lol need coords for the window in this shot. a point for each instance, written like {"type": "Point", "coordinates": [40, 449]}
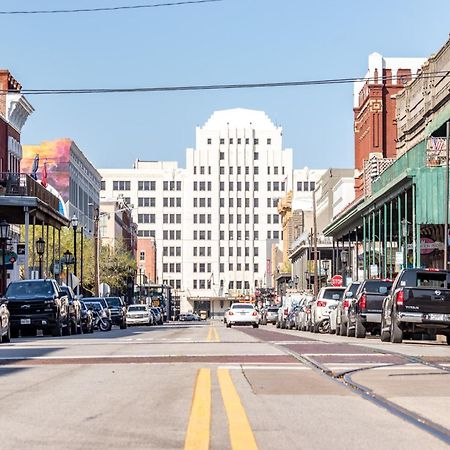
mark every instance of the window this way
{"type": "Point", "coordinates": [222, 170]}
{"type": "Point", "coordinates": [230, 251]}
{"type": "Point", "coordinates": [238, 218]}
{"type": "Point", "coordinates": [222, 202]}
{"type": "Point", "coordinates": [230, 235]}
{"type": "Point", "coordinates": [222, 186]}
{"type": "Point", "coordinates": [165, 185]}
{"type": "Point", "coordinates": [276, 234]}
{"type": "Point", "coordinates": [209, 170]}
{"type": "Point", "coordinates": [146, 218]}
{"type": "Point", "coordinates": [195, 170]}
{"type": "Point", "coordinates": [269, 202]}
{"type": "Point", "coordinates": [178, 202]}
{"type": "Point", "coordinates": [269, 218]}
{"type": "Point", "coordinates": [239, 140]}
{"type": "Point", "coordinates": [195, 217]}
{"type": "Point", "coordinates": [172, 202]}
{"type": "Point", "coordinates": [256, 170]}
{"type": "Point", "coordinates": [208, 141]}
{"type": "Point", "coordinates": [283, 186]}
{"type": "Point", "coordinates": [269, 234]}
{"type": "Point", "coordinates": [255, 156]}
{"type": "Point", "coordinates": [222, 140]}
{"type": "Point", "coordinates": [256, 251]}
{"type": "Point", "coordinates": [103, 187]}
{"type": "Point", "coordinates": [195, 185]}
{"type": "Point", "coordinates": [305, 186]}
{"type": "Point", "coordinates": [221, 267]}
{"type": "Point", "coordinates": [142, 256]}
{"type": "Point", "coordinates": [256, 235]}
{"type": "Point", "coordinates": [222, 235]}
{"type": "Point", "coordinates": [247, 251]}
{"type": "Point", "coordinates": [146, 201]}
{"type": "Point", "coordinates": [269, 185]}
{"type": "Point", "coordinates": [222, 218]}
{"type": "Point", "coordinates": [201, 268]}
{"type": "Point", "coordinates": [230, 218]}
{"type": "Point", "coordinates": [256, 141]}
{"type": "Point", "coordinates": [312, 185]}
{"type": "Point", "coordinates": [247, 186]}
{"type": "Point", "coordinates": [195, 235]}
{"type": "Point", "coordinates": [247, 203]}
{"type": "Point", "coordinates": [299, 186]}
{"type": "Point", "coordinates": [256, 218]}
{"type": "Point", "coordinates": [247, 267]}
{"type": "Point", "coordinates": [165, 251]}
{"type": "Point", "coordinates": [178, 267]}
{"type": "Point", "coordinates": [202, 170]}
{"type": "Point", "coordinates": [230, 170]}
{"type": "Point", "coordinates": [239, 251]}
{"type": "Point", "coordinates": [239, 202]}
{"type": "Point", "coordinates": [268, 170]}
{"type": "Point", "coordinates": [121, 185]}
{"type": "Point", "coordinates": [238, 266]}
{"type": "Point", "coordinates": [238, 186]}
{"type": "Point", "coordinates": [146, 185]}
{"type": "Point", "coordinates": [247, 218]}
{"type": "Point", "coordinates": [230, 186]}
{"type": "Point", "coordinates": [178, 189]}
{"type": "Point", "coordinates": [231, 140]}
{"type": "Point", "coordinates": [222, 251]}
{"type": "Point", "coordinates": [239, 235]}
{"type": "Point", "coordinates": [165, 267]}
{"type": "Point", "coordinates": [255, 186]}
{"type": "Point", "coordinates": [275, 170]}
{"type": "Point", "coordinates": [209, 202]}
{"type": "Point", "coordinates": [238, 284]}
{"type": "Point", "coordinates": [276, 186]}
{"type": "Point", "coordinates": [274, 202]}
{"type": "Point", "coordinates": [222, 155]}
{"type": "Point", "coordinates": [247, 170]}
{"type": "Point", "coordinates": [178, 235]}
{"type": "Point", "coordinates": [209, 185]}
{"type": "Point", "coordinates": [239, 170]}
{"type": "Point", "coordinates": [282, 170]}
{"type": "Point", "coordinates": [165, 235]}
{"type": "Point", "coordinates": [202, 186]}
{"type": "Point", "coordinates": [178, 251]}
{"type": "Point", "coordinates": [269, 141]}
{"type": "Point", "coordinates": [194, 284]}
{"type": "Point", "coordinates": [230, 267]}
{"type": "Point", "coordinates": [247, 140]}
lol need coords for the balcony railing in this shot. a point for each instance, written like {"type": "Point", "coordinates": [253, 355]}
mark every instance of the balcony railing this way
{"type": "Point", "coordinates": [22, 185]}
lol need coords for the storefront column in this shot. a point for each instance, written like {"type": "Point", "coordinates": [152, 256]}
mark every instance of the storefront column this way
{"type": "Point", "coordinates": [391, 219]}
{"type": "Point", "coordinates": [364, 248]}
{"type": "Point", "coordinates": [27, 243]}
{"type": "Point", "coordinates": [406, 230]}
{"type": "Point", "coordinates": [380, 252]}
{"type": "Point", "coordinates": [350, 258]}
{"type": "Point", "coordinates": [369, 248]}
{"type": "Point", "coordinates": [33, 245]}
{"type": "Point", "coordinates": [356, 254]}
{"type": "Point", "coordinates": [385, 275]}
{"type": "Point", "coordinates": [418, 262]}
{"type": "Point", "coordinates": [414, 242]}
{"type": "Point", "coordinates": [399, 232]}
{"type": "Point", "coordinates": [373, 240]}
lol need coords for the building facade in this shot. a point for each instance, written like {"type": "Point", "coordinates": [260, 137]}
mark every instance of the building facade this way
{"type": "Point", "coordinates": [69, 175]}
{"type": "Point", "coordinates": [215, 221]}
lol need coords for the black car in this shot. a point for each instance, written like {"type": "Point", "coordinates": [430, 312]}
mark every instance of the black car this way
{"type": "Point", "coordinates": [38, 304]}
{"type": "Point", "coordinates": [87, 319]}
{"type": "Point", "coordinates": [74, 309]}
{"type": "Point", "coordinates": [118, 311]}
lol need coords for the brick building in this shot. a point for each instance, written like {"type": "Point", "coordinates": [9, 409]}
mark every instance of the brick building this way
{"type": "Point", "coordinates": [146, 261]}
{"type": "Point", "coordinates": [375, 125]}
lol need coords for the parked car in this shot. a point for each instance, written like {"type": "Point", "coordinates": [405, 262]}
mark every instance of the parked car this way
{"type": "Point", "coordinates": [5, 325]}
{"type": "Point", "coordinates": [158, 315]}
{"type": "Point", "coordinates": [269, 315]}
{"type": "Point", "coordinates": [419, 302]}
{"type": "Point", "coordinates": [87, 319]}
{"type": "Point", "coordinates": [283, 312]}
{"type": "Point", "coordinates": [74, 310]}
{"type": "Point", "coordinates": [304, 313]}
{"type": "Point", "coordinates": [290, 320]}
{"type": "Point", "coordinates": [242, 314]}
{"type": "Point", "coordinates": [203, 315]}
{"type": "Point", "coordinates": [188, 317]}
{"type": "Point", "coordinates": [224, 314]}
{"type": "Point", "coordinates": [320, 308]}
{"type": "Point", "coordinates": [38, 304]}
{"type": "Point", "coordinates": [102, 301]}
{"type": "Point", "coordinates": [139, 315]}
{"type": "Point", "coordinates": [340, 315]}
{"type": "Point", "coordinates": [364, 311]}
{"type": "Point", "coordinates": [118, 311]}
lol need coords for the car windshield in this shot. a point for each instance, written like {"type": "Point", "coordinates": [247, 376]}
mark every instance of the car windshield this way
{"type": "Point", "coordinates": [273, 309]}
{"type": "Point", "coordinates": [94, 305]}
{"type": "Point", "coordinates": [30, 289]}
{"type": "Point", "coordinates": [136, 308]}
{"type": "Point", "coordinates": [67, 291]}
{"type": "Point", "coordinates": [102, 301]}
{"type": "Point", "coordinates": [114, 302]}
{"type": "Point", "coordinates": [242, 306]}
{"type": "Point", "coordinates": [330, 294]}
{"type": "Point", "coordinates": [375, 285]}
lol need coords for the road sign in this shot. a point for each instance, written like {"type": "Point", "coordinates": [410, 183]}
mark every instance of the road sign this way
{"type": "Point", "coordinates": [336, 281]}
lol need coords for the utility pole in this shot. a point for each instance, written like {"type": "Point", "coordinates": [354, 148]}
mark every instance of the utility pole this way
{"type": "Point", "coordinates": [316, 281]}
{"type": "Point", "coordinates": [96, 252]}
{"type": "Point", "coordinates": [446, 201]}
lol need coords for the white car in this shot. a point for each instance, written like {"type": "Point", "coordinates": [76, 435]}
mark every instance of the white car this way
{"type": "Point", "coordinates": [327, 299]}
{"type": "Point", "coordinates": [242, 314]}
{"type": "Point", "coordinates": [139, 315]}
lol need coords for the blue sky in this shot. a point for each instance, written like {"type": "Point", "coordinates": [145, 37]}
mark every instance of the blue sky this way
{"type": "Point", "coordinates": [235, 41]}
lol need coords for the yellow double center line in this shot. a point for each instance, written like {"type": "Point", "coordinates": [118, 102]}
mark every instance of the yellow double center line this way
{"type": "Point", "coordinates": [213, 335]}
{"type": "Point", "coordinates": [199, 428]}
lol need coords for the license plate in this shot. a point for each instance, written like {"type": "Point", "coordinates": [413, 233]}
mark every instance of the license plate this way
{"type": "Point", "coordinates": [25, 321]}
{"type": "Point", "coordinates": [439, 317]}
{"type": "Point", "coordinates": [243, 314]}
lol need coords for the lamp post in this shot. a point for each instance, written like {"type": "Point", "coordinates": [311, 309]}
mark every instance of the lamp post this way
{"type": "Point", "coordinates": [4, 233]}
{"type": "Point", "coordinates": [326, 267]}
{"type": "Point", "coordinates": [74, 223]}
{"type": "Point", "coordinates": [405, 234]}
{"type": "Point", "coordinates": [40, 249]}
{"type": "Point", "coordinates": [344, 259]}
{"type": "Point", "coordinates": [67, 260]}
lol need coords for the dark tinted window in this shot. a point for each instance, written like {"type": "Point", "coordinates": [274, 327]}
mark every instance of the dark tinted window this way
{"type": "Point", "coordinates": [374, 286]}
{"type": "Point", "coordinates": [114, 302]}
{"type": "Point", "coordinates": [30, 289]}
{"type": "Point", "coordinates": [273, 309]}
{"type": "Point", "coordinates": [432, 280]}
{"type": "Point", "coordinates": [102, 301]}
{"type": "Point", "coordinates": [328, 294]}
{"type": "Point", "coordinates": [235, 306]}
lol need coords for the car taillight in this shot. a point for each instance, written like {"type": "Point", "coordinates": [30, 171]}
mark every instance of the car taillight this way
{"type": "Point", "coordinates": [230, 313]}
{"type": "Point", "coordinates": [400, 297]}
{"type": "Point", "coordinates": [321, 303]}
{"type": "Point", "coordinates": [254, 313]}
{"type": "Point", "coordinates": [286, 310]}
{"type": "Point", "coordinates": [345, 304]}
{"type": "Point", "coordinates": [363, 301]}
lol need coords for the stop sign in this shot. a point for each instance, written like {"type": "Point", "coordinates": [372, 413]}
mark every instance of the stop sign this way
{"type": "Point", "coordinates": [337, 281]}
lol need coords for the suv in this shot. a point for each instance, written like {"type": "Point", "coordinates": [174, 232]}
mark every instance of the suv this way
{"type": "Point", "coordinates": [118, 311]}
{"type": "Point", "coordinates": [74, 310]}
{"type": "Point", "coordinates": [37, 304]}
{"type": "Point", "coordinates": [327, 299]}
{"type": "Point", "coordinates": [5, 324]}
{"type": "Point", "coordinates": [342, 309]}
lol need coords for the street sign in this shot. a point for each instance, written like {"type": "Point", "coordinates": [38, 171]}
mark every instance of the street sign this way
{"type": "Point", "coordinates": [336, 281]}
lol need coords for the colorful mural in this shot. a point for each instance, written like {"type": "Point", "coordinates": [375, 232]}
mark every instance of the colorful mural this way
{"type": "Point", "coordinates": [54, 160]}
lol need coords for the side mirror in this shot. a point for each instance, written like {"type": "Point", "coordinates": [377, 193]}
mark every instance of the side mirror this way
{"type": "Point", "coordinates": [349, 294]}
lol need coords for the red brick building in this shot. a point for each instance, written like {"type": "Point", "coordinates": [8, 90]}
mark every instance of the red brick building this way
{"type": "Point", "coordinates": [14, 111]}
{"type": "Point", "coordinates": [146, 260]}
{"type": "Point", "coordinates": [375, 127]}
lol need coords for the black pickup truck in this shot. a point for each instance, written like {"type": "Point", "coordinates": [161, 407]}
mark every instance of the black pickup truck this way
{"type": "Point", "coordinates": [364, 311]}
{"type": "Point", "coordinates": [37, 304]}
{"type": "Point", "coordinates": [419, 303]}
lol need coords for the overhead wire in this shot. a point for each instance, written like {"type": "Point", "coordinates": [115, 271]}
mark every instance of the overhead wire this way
{"type": "Point", "coordinates": [108, 8]}
{"type": "Point", "coordinates": [207, 87]}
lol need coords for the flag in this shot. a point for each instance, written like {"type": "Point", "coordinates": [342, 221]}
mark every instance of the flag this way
{"type": "Point", "coordinates": [35, 167]}
{"type": "Point", "coordinates": [437, 143]}
{"type": "Point", "coordinates": [44, 175]}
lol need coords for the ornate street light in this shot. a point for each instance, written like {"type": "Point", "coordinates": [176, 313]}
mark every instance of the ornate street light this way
{"type": "Point", "coordinates": [67, 255]}
{"type": "Point", "coordinates": [40, 249]}
{"type": "Point", "coordinates": [74, 223]}
{"type": "Point", "coordinates": [326, 267]}
{"type": "Point", "coordinates": [4, 233]}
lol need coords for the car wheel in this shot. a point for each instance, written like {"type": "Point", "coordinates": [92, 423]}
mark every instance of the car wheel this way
{"type": "Point", "coordinates": [277, 324]}
{"type": "Point", "coordinates": [57, 330]}
{"type": "Point", "coordinates": [350, 331]}
{"type": "Point", "coordinates": [360, 329]}
{"type": "Point", "coordinates": [385, 335]}
{"type": "Point", "coordinates": [343, 328]}
{"type": "Point", "coordinates": [228, 325]}
{"type": "Point", "coordinates": [67, 330]}
{"type": "Point", "coordinates": [7, 337]}
{"type": "Point", "coordinates": [448, 339]}
{"type": "Point", "coordinates": [396, 331]}
{"type": "Point", "coordinates": [79, 328]}
{"type": "Point", "coordinates": [255, 325]}
{"type": "Point", "coordinates": [124, 325]}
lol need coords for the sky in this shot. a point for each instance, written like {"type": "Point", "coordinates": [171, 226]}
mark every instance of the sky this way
{"type": "Point", "coordinates": [233, 41]}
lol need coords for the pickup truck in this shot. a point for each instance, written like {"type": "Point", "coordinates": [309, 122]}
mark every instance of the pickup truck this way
{"type": "Point", "coordinates": [364, 310]}
{"type": "Point", "coordinates": [38, 304]}
{"type": "Point", "coordinates": [419, 302]}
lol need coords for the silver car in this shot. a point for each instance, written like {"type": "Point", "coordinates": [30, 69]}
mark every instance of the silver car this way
{"type": "Point", "coordinates": [242, 314]}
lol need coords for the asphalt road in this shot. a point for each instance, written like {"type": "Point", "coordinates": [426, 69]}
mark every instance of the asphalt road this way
{"type": "Point", "coordinates": [201, 385]}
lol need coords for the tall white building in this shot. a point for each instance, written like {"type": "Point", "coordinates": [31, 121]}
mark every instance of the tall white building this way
{"type": "Point", "coordinates": [215, 232]}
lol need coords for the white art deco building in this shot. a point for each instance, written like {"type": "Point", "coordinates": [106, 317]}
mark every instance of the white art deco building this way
{"type": "Point", "coordinates": [223, 206]}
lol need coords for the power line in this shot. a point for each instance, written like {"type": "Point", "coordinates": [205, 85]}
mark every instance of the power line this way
{"type": "Point", "coordinates": [443, 74]}
{"type": "Point", "coordinates": [109, 9]}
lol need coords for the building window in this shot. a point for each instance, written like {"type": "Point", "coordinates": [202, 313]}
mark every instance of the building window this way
{"type": "Point", "coordinates": [165, 185]}
{"type": "Point", "coordinates": [231, 140]}
{"type": "Point", "coordinates": [256, 170]}
{"type": "Point", "coordinates": [276, 234]}
{"type": "Point", "coordinates": [222, 140]}
{"type": "Point", "coordinates": [269, 218]}
{"type": "Point", "coordinates": [256, 156]}
{"type": "Point", "coordinates": [230, 267]}
{"type": "Point", "coordinates": [222, 186]}
{"type": "Point", "coordinates": [256, 251]}
{"type": "Point", "coordinates": [255, 186]}
{"type": "Point", "coordinates": [195, 185]}
{"type": "Point", "coordinates": [194, 284]}
{"type": "Point", "coordinates": [230, 186]}
{"type": "Point", "coordinates": [142, 256]}
{"type": "Point", "coordinates": [222, 155]}
{"type": "Point", "coordinates": [121, 185]}
{"type": "Point", "coordinates": [222, 170]}
{"type": "Point", "coordinates": [103, 185]}
{"type": "Point", "coordinates": [299, 186]}
{"type": "Point", "coordinates": [230, 235]}
{"type": "Point", "coordinates": [208, 141]}
{"type": "Point", "coordinates": [256, 235]}
{"type": "Point", "coordinates": [269, 185]}
{"type": "Point", "coordinates": [146, 218]}
{"type": "Point", "coordinates": [239, 140]}
{"type": "Point", "coordinates": [221, 267]}
{"type": "Point", "coordinates": [146, 185]}
{"type": "Point", "coordinates": [305, 185]}
{"type": "Point", "coordinates": [312, 185]}
{"type": "Point", "coordinates": [269, 141]}
{"type": "Point", "coordinates": [247, 186]}
{"type": "Point", "coordinates": [247, 140]}
{"type": "Point", "coordinates": [178, 185]}
{"type": "Point", "coordinates": [202, 170]}
{"type": "Point", "coordinates": [276, 186]}
{"type": "Point", "coordinates": [256, 218]}
{"type": "Point", "coordinates": [268, 170]}
{"type": "Point", "coordinates": [269, 234]}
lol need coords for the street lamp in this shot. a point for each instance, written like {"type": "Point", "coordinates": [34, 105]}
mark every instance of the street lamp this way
{"type": "Point", "coordinates": [326, 267]}
{"type": "Point", "coordinates": [40, 249]}
{"type": "Point", "coordinates": [67, 260]}
{"type": "Point", "coordinates": [4, 233]}
{"type": "Point", "coordinates": [74, 223]}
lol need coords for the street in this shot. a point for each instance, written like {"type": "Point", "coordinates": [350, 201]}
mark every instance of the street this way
{"type": "Point", "coordinates": [201, 385]}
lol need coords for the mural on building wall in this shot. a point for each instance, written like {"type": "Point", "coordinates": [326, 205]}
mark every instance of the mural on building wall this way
{"type": "Point", "coordinates": [49, 162]}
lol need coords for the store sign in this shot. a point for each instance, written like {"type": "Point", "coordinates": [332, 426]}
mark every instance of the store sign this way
{"type": "Point", "coordinates": [373, 270]}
